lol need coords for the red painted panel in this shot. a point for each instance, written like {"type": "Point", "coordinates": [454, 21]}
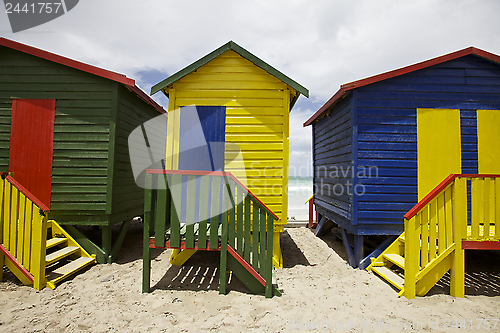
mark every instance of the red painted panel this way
{"type": "Point", "coordinates": [31, 144]}
{"type": "Point", "coordinates": [480, 245]}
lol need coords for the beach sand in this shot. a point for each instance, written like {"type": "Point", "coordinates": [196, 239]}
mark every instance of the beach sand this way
{"type": "Point", "coordinates": [320, 290]}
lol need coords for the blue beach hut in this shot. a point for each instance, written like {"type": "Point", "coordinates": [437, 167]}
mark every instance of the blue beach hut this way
{"type": "Point", "coordinates": [382, 143]}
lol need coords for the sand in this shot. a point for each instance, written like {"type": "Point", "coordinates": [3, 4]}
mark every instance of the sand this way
{"type": "Point", "coordinates": [320, 291]}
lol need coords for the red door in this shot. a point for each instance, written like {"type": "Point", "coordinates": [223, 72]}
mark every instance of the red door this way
{"type": "Point", "coordinates": [31, 143]}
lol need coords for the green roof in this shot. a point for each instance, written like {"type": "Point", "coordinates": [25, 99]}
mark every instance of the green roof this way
{"type": "Point", "coordinates": [242, 52]}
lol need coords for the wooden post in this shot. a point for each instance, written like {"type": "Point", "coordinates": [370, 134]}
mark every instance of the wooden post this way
{"type": "Point", "coordinates": [457, 274]}
{"type": "Point", "coordinates": [311, 212]}
{"type": "Point", "coordinates": [6, 215]}
{"type": "Point", "coordinates": [255, 236]}
{"type": "Point", "coordinates": [262, 242]}
{"type": "Point", "coordinates": [412, 251]}
{"type": "Point", "coordinates": [203, 210]}
{"type": "Point", "coordinates": [348, 249]}
{"type": "Point", "coordinates": [2, 260]}
{"type": "Point", "coordinates": [214, 213]}
{"type": "Point", "coordinates": [107, 242]}
{"type": "Point", "coordinates": [269, 257]}
{"type": "Point", "coordinates": [247, 224]}
{"type": "Point", "coordinates": [224, 245]}
{"type": "Point", "coordinates": [162, 208]}
{"type": "Point", "coordinates": [39, 249]}
{"type": "Point", "coordinates": [358, 249]}
{"type": "Point", "coordinates": [239, 223]}
{"type": "Point", "coordinates": [2, 205]}
{"type": "Point", "coordinates": [497, 208]}
{"type": "Point", "coordinates": [175, 212]}
{"type": "Point", "coordinates": [146, 256]}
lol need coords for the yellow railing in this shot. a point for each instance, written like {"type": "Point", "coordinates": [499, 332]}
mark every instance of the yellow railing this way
{"type": "Point", "coordinates": [485, 193]}
{"type": "Point", "coordinates": [23, 233]}
{"type": "Point", "coordinates": [436, 227]}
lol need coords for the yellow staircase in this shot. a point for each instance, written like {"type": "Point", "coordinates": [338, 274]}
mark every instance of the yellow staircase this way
{"type": "Point", "coordinates": [64, 256]}
{"type": "Point", "coordinates": [437, 230]}
{"type": "Point", "coordinates": [37, 251]}
{"type": "Point", "coordinates": [390, 264]}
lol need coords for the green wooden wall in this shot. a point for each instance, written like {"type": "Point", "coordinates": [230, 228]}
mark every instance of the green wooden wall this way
{"type": "Point", "coordinates": [127, 197]}
{"type": "Point", "coordinates": [93, 116]}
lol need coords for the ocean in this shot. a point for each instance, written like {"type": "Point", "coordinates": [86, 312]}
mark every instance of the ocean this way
{"type": "Point", "coordinates": [299, 190]}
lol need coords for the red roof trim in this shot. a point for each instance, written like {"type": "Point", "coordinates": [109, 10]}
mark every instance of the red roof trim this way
{"type": "Point", "coordinates": [120, 78]}
{"type": "Point", "coordinates": [67, 62]}
{"type": "Point", "coordinates": [147, 99]}
{"type": "Point", "coordinates": [401, 71]}
{"type": "Point", "coordinates": [329, 103]}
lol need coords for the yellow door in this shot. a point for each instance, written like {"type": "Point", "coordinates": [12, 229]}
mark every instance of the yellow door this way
{"type": "Point", "coordinates": [488, 141]}
{"type": "Point", "coordinates": [438, 147]}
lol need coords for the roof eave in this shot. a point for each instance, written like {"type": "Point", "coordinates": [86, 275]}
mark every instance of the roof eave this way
{"type": "Point", "coordinates": [185, 71]}
{"type": "Point", "coordinates": [241, 51]}
{"type": "Point", "coordinates": [113, 76]}
{"type": "Point", "coordinates": [66, 61]}
{"type": "Point", "coordinates": [401, 71]}
{"type": "Point", "coordinates": [342, 92]}
{"type": "Point", "coordinates": [142, 95]}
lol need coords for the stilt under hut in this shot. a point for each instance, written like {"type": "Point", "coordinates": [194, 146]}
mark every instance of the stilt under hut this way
{"type": "Point", "coordinates": [65, 163]}
{"type": "Point", "coordinates": [410, 150]}
{"type": "Point", "coordinates": [244, 103]}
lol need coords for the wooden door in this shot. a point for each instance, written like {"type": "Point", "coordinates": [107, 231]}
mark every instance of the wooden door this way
{"type": "Point", "coordinates": [438, 147]}
{"type": "Point", "coordinates": [31, 145]}
{"type": "Point", "coordinates": [202, 138]}
{"type": "Point", "coordinates": [488, 141]}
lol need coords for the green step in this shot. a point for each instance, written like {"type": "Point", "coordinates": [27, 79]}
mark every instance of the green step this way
{"type": "Point", "coordinates": [395, 259]}
{"type": "Point", "coordinates": [390, 276]}
{"type": "Point", "coordinates": [60, 254]}
{"type": "Point", "coordinates": [55, 241]}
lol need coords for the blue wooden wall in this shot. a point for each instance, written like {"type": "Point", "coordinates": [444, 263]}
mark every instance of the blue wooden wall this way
{"type": "Point", "coordinates": [384, 137]}
{"type": "Point", "coordinates": [332, 150]}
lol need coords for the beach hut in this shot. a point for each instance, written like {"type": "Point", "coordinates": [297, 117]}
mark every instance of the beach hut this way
{"type": "Point", "coordinates": [63, 137]}
{"type": "Point", "coordinates": [243, 103]}
{"type": "Point", "coordinates": [381, 144]}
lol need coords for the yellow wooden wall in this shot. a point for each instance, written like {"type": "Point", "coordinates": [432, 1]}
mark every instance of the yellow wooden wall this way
{"type": "Point", "coordinates": [257, 120]}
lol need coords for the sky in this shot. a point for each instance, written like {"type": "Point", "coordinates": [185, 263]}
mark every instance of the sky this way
{"type": "Point", "coordinates": [319, 44]}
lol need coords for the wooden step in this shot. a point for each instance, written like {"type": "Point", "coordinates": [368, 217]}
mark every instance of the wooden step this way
{"type": "Point", "coordinates": [55, 241]}
{"type": "Point", "coordinates": [391, 277]}
{"type": "Point", "coordinates": [395, 259]}
{"type": "Point", "coordinates": [72, 267]}
{"type": "Point", "coordinates": [60, 254]}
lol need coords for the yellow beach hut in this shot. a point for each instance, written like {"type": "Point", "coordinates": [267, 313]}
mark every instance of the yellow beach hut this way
{"type": "Point", "coordinates": [244, 103]}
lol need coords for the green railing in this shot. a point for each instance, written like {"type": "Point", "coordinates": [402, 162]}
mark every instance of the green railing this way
{"type": "Point", "coordinates": [204, 210]}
